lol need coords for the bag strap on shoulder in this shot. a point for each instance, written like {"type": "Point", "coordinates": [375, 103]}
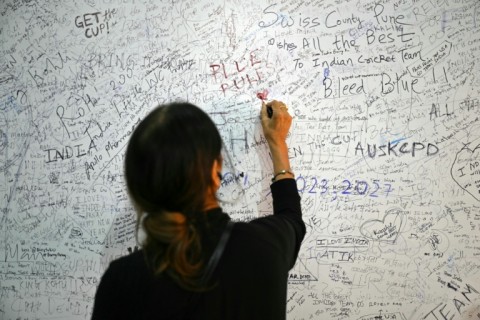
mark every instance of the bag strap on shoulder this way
{"type": "Point", "coordinates": [217, 253]}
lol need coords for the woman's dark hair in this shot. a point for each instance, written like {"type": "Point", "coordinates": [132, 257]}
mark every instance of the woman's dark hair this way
{"type": "Point", "coordinates": [168, 169]}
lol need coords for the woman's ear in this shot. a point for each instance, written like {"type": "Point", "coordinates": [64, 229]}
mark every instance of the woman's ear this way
{"type": "Point", "coordinates": [217, 174]}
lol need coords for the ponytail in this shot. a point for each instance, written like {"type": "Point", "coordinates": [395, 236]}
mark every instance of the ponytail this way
{"type": "Point", "coordinates": [173, 246]}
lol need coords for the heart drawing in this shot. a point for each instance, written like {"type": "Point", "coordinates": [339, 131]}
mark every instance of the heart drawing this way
{"type": "Point", "coordinates": [385, 230]}
{"type": "Point", "coordinates": [465, 170]}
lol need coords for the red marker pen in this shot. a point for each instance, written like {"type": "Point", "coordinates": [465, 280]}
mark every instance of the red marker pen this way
{"type": "Point", "coordinates": [263, 96]}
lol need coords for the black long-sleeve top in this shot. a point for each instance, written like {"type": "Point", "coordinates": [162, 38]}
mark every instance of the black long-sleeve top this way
{"type": "Point", "coordinates": [251, 277]}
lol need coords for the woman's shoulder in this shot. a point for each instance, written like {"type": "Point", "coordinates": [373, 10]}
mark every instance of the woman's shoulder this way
{"type": "Point", "coordinates": [263, 229]}
{"type": "Point", "coordinates": [132, 261]}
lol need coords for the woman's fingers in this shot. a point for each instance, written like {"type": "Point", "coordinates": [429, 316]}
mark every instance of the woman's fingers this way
{"type": "Point", "coordinates": [276, 126]}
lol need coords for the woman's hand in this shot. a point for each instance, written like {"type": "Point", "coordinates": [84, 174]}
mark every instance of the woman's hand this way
{"type": "Point", "coordinates": [275, 129]}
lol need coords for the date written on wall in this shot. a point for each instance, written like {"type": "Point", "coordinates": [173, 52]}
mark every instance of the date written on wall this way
{"type": "Point", "coordinates": [325, 187]}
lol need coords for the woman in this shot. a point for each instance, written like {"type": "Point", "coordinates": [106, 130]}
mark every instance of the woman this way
{"type": "Point", "coordinates": [195, 263]}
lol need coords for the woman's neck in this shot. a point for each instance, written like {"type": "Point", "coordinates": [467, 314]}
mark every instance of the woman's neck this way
{"type": "Point", "coordinates": [211, 203]}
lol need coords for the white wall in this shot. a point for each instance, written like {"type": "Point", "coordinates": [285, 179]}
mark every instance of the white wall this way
{"type": "Point", "coordinates": [385, 142]}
